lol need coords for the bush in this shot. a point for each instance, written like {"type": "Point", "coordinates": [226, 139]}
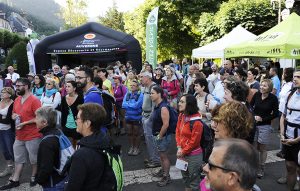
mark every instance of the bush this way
{"type": "Point", "coordinates": [17, 57]}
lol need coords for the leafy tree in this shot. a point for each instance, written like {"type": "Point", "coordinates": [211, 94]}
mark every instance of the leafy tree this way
{"type": "Point", "coordinates": [74, 14]}
{"type": "Point", "coordinates": [257, 16]}
{"type": "Point", "coordinates": [18, 58]}
{"type": "Point", "coordinates": [113, 18]}
{"type": "Point", "coordinates": [177, 24]}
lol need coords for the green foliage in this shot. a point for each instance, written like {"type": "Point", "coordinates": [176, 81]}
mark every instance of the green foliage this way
{"type": "Point", "coordinates": [257, 16]}
{"type": "Point", "coordinates": [8, 40]}
{"type": "Point", "coordinates": [113, 18]}
{"type": "Point", "coordinates": [18, 58]}
{"type": "Point", "coordinates": [74, 14]}
{"type": "Point", "coordinates": [177, 34]}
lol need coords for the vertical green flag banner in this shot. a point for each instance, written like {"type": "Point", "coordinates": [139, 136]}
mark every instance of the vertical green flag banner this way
{"type": "Point", "coordinates": [151, 37]}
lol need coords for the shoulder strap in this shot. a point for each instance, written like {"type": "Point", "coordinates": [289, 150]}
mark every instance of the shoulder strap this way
{"type": "Point", "coordinates": [193, 121]}
{"type": "Point", "coordinates": [290, 95]}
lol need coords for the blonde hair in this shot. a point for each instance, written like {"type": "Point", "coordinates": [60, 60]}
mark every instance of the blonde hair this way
{"type": "Point", "coordinates": [269, 83]}
{"type": "Point", "coordinates": [55, 85]}
{"type": "Point", "coordinates": [9, 90]}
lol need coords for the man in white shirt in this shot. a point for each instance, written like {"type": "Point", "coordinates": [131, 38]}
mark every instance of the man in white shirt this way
{"type": "Point", "coordinates": [12, 75]}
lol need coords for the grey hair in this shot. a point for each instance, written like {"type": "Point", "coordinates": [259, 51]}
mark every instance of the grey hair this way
{"type": "Point", "coordinates": [242, 158]}
{"type": "Point", "coordinates": [48, 114]}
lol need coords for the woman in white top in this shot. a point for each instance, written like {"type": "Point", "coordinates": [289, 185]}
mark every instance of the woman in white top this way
{"type": "Point", "coordinates": [205, 101]}
{"type": "Point", "coordinates": [7, 134]}
{"type": "Point", "coordinates": [51, 97]}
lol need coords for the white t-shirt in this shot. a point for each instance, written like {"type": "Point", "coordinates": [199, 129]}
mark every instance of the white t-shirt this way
{"type": "Point", "coordinates": [3, 112]}
{"type": "Point", "coordinates": [13, 77]}
{"type": "Point", "coordinates": [283, 95]}
{"type": "Point", "coordinates": [293, 116]}
{"type": "Point", "coordinates": [50, 101]}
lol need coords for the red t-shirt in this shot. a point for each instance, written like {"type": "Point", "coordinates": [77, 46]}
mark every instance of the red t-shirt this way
{"type": "Point", "coordinates": [27, 112]}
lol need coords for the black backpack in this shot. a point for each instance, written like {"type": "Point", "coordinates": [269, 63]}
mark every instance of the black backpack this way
{"type": "Point", "coordinates": [207, 138]}
{"type": "Point", "coordinates": [109, 103]}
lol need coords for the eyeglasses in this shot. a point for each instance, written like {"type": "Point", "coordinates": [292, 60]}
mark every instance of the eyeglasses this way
{"type": "Point", "coordinates": [211, 166]}
{"type": "Point", "coordinates": [49, 83]}
{"type": "Point", "coordinates": [79, 77]}
{"type": "Point", "coordinates": [17, 86]}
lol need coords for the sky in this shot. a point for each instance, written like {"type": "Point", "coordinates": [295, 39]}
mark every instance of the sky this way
{"type": "Point", "coordinates": [99, 7]}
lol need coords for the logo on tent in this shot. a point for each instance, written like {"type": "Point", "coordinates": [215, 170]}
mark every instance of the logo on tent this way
{"type": "Point", "coordinates": [295, 52]}
{"type": "Point", "coordinates": [89, 36]}
{"type": "Point", "coordinates": [269, 37]}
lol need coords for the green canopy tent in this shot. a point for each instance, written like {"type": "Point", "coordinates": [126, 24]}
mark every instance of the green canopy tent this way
{"type": "Point", "coordinates": [281, 41]}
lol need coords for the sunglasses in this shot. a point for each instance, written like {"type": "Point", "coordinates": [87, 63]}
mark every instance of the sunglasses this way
{"type": "Point", "coordinates": [49, 83]}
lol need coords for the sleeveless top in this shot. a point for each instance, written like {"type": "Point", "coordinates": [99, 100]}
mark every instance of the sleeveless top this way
{"type": "Point", "coordinates": [3, 112]}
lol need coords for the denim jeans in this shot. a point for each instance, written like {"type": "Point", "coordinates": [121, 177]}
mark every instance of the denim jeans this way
{"type": "Point", "coordinates": [152, 150]}
{"type": "Point", "coordinates": [7, 139]}
{"type": "Point", "coordinates": [57, 187]}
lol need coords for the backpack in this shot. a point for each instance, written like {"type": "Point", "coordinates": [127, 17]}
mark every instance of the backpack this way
{"type": "Point", "coordinates": [65, 153]}
{"type": "Point", "coordinates": [173, 120]}
{"type": "Point", "coordinates": [115, 163]}
{"type": "Point", "coordinates": [207, 138]}
{"type": "Point", "coordinates": [109, 103]}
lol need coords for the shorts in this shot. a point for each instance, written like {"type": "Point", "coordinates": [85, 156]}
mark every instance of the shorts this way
{"type": "Point", "coordinates": [291, 152]}
{"type": "Point", "coordinates": [22, 148]}
{"type": "Point", "coordinates": [263, 134]}
{"type": "Point", "coordinates": [162, 144]}
{"type": "Point", "coordinates": [191, 177]}
{"type": "Point", "coordinates": [136, 123]}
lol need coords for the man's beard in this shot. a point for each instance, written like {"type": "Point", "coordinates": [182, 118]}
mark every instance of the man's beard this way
{"type": "Point", "coordinates": [21, 92]}
{"type": "Point", "coordinates": [81, 85]}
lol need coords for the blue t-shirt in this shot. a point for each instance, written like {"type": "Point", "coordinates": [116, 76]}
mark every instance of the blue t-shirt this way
{"type": "Point", "coordinates": [93, 96]}
{"type": "Point", "coordinates": [276, 85]}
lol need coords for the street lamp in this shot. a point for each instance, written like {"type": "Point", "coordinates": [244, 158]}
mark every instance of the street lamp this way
{"type": "Point", "coordinates": [286, 12]}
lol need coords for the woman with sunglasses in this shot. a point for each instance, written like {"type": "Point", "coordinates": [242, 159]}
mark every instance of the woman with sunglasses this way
{"type": "Point", "coordinates": [69, 111]}
{"type": "Point", "coordinates": [7, 134]}
{"type": "Point", "coordinates": [38, 86]}
{"type": "Point", "coordinates": [188, 136]}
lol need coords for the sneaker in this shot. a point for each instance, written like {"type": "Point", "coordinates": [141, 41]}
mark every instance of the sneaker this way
{"type": "Point", "coordinates": [165, 180]}
{"type": "Point", "coordinates": [136, 152]}
{"type": "Point", "coordinates": [8, 171]}
{"type": "Point", "coordinates": [152, 165]}
{"type": "Point", "coordinates": [158, 174]}
{"type": "Point", "coordinates": [281, 180]}
{"type": "Point", "coordinates": [32, 181]}
{"type": "Point", "coordinates": [260, 173]}
{"type": "Point", "coordinates": [10, 184]}
{"type": "Point", "coordinates": [130, 151]}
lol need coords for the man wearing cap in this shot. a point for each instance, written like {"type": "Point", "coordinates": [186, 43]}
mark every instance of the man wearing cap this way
{"type": "Point", "coordinates": [30, 77]}
{"type": "Point", "coordinates": [12, 75]}
{"type": "Point", "coordinates": [148, 105]}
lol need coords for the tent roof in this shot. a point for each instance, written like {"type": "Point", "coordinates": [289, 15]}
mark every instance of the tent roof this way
{"type": "Point", "coordinates": [281, 41]}
{"type": "Point", "coordinates": [216, 48]}
{"type": "Point", "coordinates": [89, 38]}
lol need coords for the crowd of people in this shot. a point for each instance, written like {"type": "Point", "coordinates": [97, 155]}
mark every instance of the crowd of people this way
{"type": "Point", "coordinates": [225, 117]}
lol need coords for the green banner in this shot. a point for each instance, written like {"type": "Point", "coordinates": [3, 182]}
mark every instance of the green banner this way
{"type": "Point", "coordinates": [151, 37]}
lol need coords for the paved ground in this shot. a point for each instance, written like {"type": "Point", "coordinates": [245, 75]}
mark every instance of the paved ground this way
{"type": "Point", "coordinates": [137, 178]}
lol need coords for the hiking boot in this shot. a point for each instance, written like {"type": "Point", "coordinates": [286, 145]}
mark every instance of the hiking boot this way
{"type": "Point", "coordinates": [32, 182]}
{"type": "Point", "coordinates": [10, 184]}
{"type": "Point", "coordinates": [260, 173]}
{"type": "Point", "coordinates": [152, 165]}
{"type": "Point", "coordinates": [165, 180]}
{"type": "Point", "coordinates": [130, 151]}
{"type": "Point", "coordinates": [158, 174]}
{"type": "Point", "coordinates": [8, 171]}
{"type": "Point", "coordinates": [281, 180]}
{"type": "Point", "coordinates": [136, 152]}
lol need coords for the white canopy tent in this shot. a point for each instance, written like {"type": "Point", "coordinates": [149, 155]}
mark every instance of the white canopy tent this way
{"type": "Point", "coordinates": [216, 48]}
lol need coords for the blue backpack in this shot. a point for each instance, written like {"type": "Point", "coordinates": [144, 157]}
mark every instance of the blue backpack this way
{"type": "Point", "coordinates": [66, 151]}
